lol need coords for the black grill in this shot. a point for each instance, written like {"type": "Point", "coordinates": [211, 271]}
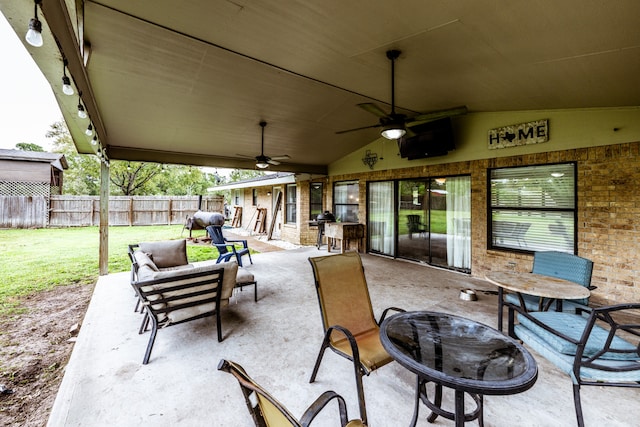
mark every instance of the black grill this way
{"type": "Point", "coordinates": [321, 220]}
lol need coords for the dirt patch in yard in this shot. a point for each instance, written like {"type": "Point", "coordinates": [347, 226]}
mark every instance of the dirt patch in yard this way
{"type": "Point", "coordinates": [34, 349]}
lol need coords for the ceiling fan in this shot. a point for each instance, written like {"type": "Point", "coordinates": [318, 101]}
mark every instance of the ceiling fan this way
{"type": "Point", "coordinates": [262, 161]}
{"type": "Point", "coordinates": [395, 125]}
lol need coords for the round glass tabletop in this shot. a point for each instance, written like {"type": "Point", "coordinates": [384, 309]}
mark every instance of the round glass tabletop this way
{"type": "Point", "coordinates": [458, 353]}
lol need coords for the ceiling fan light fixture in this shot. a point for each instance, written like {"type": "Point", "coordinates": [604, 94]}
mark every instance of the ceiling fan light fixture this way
{"type": "Point", "coordinates": [393, 131]}
{"type": "Point", "coordinates": [261, 164]}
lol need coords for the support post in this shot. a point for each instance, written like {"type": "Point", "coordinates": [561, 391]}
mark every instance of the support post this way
{"type": "Point", "coordinates": [104, 219]}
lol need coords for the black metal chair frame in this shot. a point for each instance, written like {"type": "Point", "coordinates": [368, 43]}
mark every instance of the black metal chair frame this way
{"type": "Point", "coordinates": [600, 315]}
{"type": "Point", "coordinates": [249, 387]}
{"type": "Point", "coordinates": [226, 247]}
{"type": "Point", "coordinates": [163, 296]}
{"type": "Point", "coordinates": [603, 314]}
{"type": "Point", "coordinates": [359, 368]}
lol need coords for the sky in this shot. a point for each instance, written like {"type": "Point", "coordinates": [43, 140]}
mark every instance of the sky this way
{"type": "Point", "coordinates": [27, 105]}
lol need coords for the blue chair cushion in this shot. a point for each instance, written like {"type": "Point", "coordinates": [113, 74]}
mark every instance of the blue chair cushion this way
{"type": "Point", "coordinates": [565, 362]}
{"type": "Point", "coordinates": [572, 325]}
{"type": "Point", "coordinates": [531, 303]}
{"type": "Point", "coordinates": [564, 266]}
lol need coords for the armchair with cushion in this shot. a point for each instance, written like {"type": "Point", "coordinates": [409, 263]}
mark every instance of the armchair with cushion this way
{"type": "Point", "coordinates": [601, 350]}
{"type": "Point", "coordinates": [563, 266]}
{"type": "Point", "coordinates": [267, 411]}
{"type": "Point", "coordinates": [351, 329]}
{"type": "Point", "coordinates": [227, 248]}
{"type": "Point", "coordinates": [174, 291]}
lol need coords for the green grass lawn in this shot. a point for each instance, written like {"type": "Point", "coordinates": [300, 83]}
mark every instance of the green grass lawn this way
{"type": "Point", "coordinates": [35, 260]}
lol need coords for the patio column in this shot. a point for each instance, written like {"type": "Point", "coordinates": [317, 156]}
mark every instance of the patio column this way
{"type": "Point", "coordinates": [103, 260]}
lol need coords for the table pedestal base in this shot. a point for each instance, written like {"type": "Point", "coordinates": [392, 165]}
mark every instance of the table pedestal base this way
{"type": "Point", "coordinates": [459, 416]}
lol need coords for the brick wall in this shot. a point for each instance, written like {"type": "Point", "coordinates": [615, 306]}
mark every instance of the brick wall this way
{"type": "Point", "coordinates": [608, 228]}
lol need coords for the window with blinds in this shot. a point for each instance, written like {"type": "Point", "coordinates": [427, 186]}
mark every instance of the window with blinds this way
{"type": "Point", "coordinates": [315, 200]}
{"type": "Point", "coordinates": [292, 199]}
{"type": "Point", "coordinates": [533, 208]}
{"type": "Point", "coordinates": [346, 201]}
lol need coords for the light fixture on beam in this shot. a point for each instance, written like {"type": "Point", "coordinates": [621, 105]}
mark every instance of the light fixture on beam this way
{"type": "Point", "coordinates": [66, 82]}
{"type": "Point", "coordinates": [82, 113]}
{"type": "Point", "coordinates": [89, 130]}
{"type": "Point", "coordinates": [34, 34]}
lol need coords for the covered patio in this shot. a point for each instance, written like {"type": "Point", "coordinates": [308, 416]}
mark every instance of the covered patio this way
{"type": "Point", "coordinates": [277, 340]}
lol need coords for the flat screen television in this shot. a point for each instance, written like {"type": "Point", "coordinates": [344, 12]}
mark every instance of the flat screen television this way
{"type": "Point", "coordinates": [430, 140]}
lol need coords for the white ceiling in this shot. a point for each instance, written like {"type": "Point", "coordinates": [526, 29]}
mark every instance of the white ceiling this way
{"type": "Point", "coordinates": [189, 81]}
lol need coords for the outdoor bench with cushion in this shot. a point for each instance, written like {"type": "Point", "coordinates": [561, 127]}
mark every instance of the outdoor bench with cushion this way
{"type": "Point", "coordinates": [601, 349]}
{"type": "Point", "coordinates": [174, 291]}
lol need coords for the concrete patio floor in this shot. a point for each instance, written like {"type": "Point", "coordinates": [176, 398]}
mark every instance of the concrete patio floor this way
{"type": "Point", "coordinates": [277, 340]}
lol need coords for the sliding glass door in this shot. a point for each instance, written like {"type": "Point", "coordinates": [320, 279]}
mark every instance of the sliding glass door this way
{"type": "Point", "coordinates": [380, 224]}
{"type": "Point", "coordinates": [426, 220]}
{"type": "Point", "coordinates": [413, 220]}
{"type": "Point", "coordinates": [458, 218]}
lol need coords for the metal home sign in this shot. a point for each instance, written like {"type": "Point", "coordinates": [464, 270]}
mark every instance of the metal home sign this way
{"type": "Point", "coordinates": [521, 134]}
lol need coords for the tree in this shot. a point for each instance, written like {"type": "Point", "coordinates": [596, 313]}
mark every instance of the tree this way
{"type": "Point", "coordinates": [242, 174]}
{"type": "Point", "coordinates": [83, 175]}
{"type": "Point", "coordinates": [26, 146]}
{"type": "Point", "coordinates": [126, 178]}
{"type": "Point", "coordinates": [132, 178]}
{"type": "Point", "coordinates": [183, 180]}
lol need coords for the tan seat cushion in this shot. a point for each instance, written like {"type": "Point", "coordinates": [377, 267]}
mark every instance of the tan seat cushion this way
{"type": "Point", "coordinates": [167, 253]}
{"type": "Point", "coordinates": [372, 354]}
{"type": "Point", "coordinates": [144, 260]}
{"type": "Point", "coordinates": [228, 283]}
{"type": "Point", "coordinates": [244, 276]}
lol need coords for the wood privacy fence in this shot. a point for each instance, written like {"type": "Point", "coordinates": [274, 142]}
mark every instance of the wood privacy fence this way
{"type": "Point", "coordinates": [24, 211]}
{"type": "Point", "coordinates": [76, 211]}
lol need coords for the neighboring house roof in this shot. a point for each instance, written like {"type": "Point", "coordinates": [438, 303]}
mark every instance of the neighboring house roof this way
{"type": "Point", "coordinates": [259, 181]}
{"type": "Point", "coordinates": [56, 160]}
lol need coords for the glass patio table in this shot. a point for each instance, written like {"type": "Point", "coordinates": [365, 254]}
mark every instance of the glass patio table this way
{"type": "Point", "coordinates": [458, 353]}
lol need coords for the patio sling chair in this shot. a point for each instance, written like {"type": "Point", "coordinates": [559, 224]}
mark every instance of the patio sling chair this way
{"type": "Point", "coordinates": [267, 411]}
{"type": "Point", "coordinates": [601, 350]}
{"type": "Point", "coordinates": [563, 266]}
{"type": "Point", "coordinates": [350, 327]}
{"type": "Point", "coordinates": [227, 248]}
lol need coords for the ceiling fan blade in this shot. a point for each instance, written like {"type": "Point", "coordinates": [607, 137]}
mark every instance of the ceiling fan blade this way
{"type": "Point", "coordinates": [245, 156]}
{"type": "Point", "coordinates": [355, 129]}
{"type": "Point", "coordinates": [435, 115]}
{"type": "Point", "coordinates": [372, 108]}
{"type": "Point", "coordinates": [282, 157]}
{"type": "Point", "coordinates": [409, 133]}
{"type": "Point", "coordinates": [273, 162]}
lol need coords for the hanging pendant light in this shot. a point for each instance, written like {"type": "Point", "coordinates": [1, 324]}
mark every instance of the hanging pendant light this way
{"type": "Point", "coordinates": [89, 130]}
{"type": "Point", "coordinates": [34, 34]}
{"type": "Point", "coordinates": [82, 113]}
{"type": "Point", "coordinates": [66, 82]}
{"type": "Point", "coordinates": [94, 141]}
